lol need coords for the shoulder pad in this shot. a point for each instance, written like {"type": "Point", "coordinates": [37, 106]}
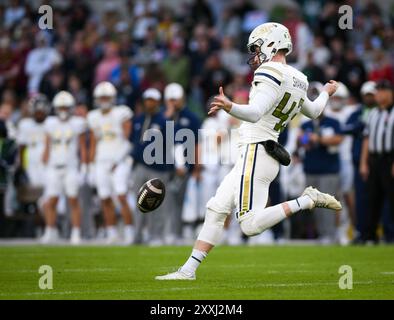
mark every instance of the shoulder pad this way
{"type": "Point", "coordinates": [269, 72]}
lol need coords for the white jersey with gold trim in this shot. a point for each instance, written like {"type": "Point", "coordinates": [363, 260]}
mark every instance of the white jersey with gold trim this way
{"type": "Point", "coordinates": [64, 140]}
{"type": "Point", "coordinates": [288, 86]}
{"type": "Point", "coordinates": [108, 130]}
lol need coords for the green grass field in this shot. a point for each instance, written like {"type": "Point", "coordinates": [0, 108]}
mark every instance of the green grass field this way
{"type": "Point", "coordinates": [278, 272]}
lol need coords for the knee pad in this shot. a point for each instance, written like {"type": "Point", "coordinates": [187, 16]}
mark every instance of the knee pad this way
{"type": "Point", "coordinates": [212, 229]}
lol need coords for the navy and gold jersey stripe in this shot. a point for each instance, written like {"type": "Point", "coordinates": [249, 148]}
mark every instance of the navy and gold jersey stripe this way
{"type": "Point", "coordinates": [269, 76]}
{"type": "Point", "coordinates": [246, 186]}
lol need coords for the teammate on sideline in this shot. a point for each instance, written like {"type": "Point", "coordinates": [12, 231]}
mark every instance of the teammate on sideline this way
{"type": "Point", "coordinates": [110, 163]}
{"type": "Point", "coordinates": [31, 138]}
{"type": "Point", "coordinates": [277, 95]}
{"type": "Point", "coordinates": [64, 143]}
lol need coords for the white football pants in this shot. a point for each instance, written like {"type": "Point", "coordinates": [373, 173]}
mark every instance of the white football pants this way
{"type": "Point", "coordinates": [245, 189]}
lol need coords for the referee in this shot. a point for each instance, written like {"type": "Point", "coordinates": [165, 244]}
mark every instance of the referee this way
{"type": "Point", "coordinates": [377, 158]}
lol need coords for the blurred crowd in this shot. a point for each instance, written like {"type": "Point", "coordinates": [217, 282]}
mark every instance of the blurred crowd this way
{"type": "Point", "coordinates": [165, 63]}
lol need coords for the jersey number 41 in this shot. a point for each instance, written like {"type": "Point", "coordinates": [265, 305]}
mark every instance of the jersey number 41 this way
{"type": "Point", "coordinates": [283, 117]}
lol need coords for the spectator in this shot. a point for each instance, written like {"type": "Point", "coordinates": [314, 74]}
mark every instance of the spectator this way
{"type": "Point", "coordinates": [53, 82]}
{"type": "Point", "coordinates": [200, 12]}
{"type": "Point", "coordinates": [125, 64]}
{"type": "Point", "coordinates": [300, 34]}
{"type": "Point", "coordinates": [230, 57]}
{"type": "Point", "coordinates": [352, 73]}
{"type": "Point", "coordinates": [176, 66]}
{"type": "Point", "coordinates": [312, 70]}
{"type": "Point", "coordinates": [381, 68]}
{"type": "Point", "coordinates": [230, 24]}
{"type": "Point", "coordinates": [9, 64]}
{"type": "Point", "coordinates": [214, 76]}
{"type": "Point", "coordinates": [321, 54]}
{"type": "Point", "coordinates": [39, 61]}
{"type": "Point", "coordinates": [14, 13]}
{"type": "Point", "coordinates": [75, 87]}
{"type": "Point", "coordinates": [109, 62]}
{"type": "Point", "coordinates": [145, 13]}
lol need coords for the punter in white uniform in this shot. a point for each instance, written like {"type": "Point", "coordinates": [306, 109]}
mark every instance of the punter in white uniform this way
{"type": "Point", "coordinates": [64, 153]}
{"type": "Point", "coordinates": [31, 139]}
{"type": "Point", "coordinates": [277, 95]}
{"type": "Point", "coordinates": [110, 127]}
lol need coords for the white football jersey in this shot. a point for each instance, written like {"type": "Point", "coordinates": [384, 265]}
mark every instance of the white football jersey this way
{"type": "Point", "coordinates": [32, 135]}
{"type": "Point", "coordinates": [64, 140]}
{"type": "Point", "coordinates": [290, 86]}
{"type": "Point", "coordinates": [108, 130]}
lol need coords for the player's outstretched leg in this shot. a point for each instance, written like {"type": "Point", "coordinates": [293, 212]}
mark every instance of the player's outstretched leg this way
{"type": "Point", "coordinates": [210, 235]}
{"type": "Point", "coordinates": [254, 223]}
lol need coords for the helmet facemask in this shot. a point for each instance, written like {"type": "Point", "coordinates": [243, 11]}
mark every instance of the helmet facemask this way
{"type": "Point", "coordinates": [104, 102]}
{"type": "Point", "coordinates": [260, 53]}
{"type": "Point", "coordinates": [63, 112]}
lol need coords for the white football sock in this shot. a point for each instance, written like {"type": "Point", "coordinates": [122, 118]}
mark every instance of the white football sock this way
{"type": "Point", "coordinates": [301, 203]}
{"type": "Point", "coordinates": [112, 232]}
{"type": "Point", "coordinates": [128, 231]}
{"type": "Point", "coordinates": [76, 232]}
{"type": "Point", "coordinates": [51, 231]}
{"type": "Point", "coordinates": [194, 261]}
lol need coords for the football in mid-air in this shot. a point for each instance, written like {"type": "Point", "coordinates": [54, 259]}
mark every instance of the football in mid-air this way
{"type": "Point", "coordinates": [151, 195]}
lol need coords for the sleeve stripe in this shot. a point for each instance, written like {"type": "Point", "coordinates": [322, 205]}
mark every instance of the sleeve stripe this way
{"type": "Point", "coordinates": [268, 76]}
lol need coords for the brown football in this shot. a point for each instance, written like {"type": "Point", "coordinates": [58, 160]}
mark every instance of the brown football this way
{"type": "Point", "coordinates": [151, 195]}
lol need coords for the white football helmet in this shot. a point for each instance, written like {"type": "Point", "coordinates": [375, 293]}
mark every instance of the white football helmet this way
{"type": "Point", "coordinates": [63, 102]}
{"type": "Point", "coordinates": [339, 99]}
{"type": "Point", "coordinates": [268, 38]}
{"type": "Point", "coordinates": [342, 91]}
{"type": "Point", "coordinates": [39, 103]}
{"type": "Point", "coordinates": [104, 89]}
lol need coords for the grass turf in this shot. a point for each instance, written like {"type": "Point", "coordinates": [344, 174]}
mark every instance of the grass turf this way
{"type": "Point", "coordinates": [281, 272]}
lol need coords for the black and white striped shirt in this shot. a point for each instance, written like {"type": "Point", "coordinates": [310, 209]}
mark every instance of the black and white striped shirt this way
{"type": "Point", "coordinates": [380, 131]}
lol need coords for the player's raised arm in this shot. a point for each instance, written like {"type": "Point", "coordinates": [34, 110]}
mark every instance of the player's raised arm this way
{"type": "Point", "coordinates": [313, 109]}
{"type": "Point", "coordinates": [252, 112]}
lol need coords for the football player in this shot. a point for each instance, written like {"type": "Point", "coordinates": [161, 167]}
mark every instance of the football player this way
{"type": "Point", "coordinates": [110, 127]}
{"type": "Point", "coordinates": [277, 95]}
{"type": "Point", "coordinates": [65, 151]}
{"type": "Point", "coordinates": [31, 140]}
